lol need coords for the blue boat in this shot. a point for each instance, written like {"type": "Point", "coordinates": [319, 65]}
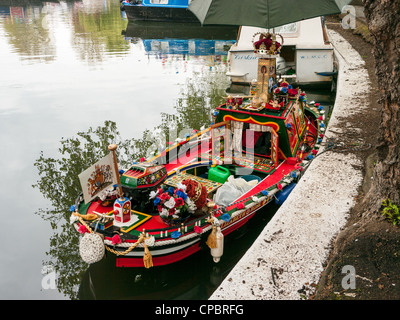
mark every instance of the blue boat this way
{"type": "Point", "coordinates": [158, 10]}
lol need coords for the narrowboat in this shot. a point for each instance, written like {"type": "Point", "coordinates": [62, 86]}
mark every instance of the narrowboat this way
{"type": "Point", "coordinates": [205, 186]}
{"type": "Point", "coordinates": [159, 10]}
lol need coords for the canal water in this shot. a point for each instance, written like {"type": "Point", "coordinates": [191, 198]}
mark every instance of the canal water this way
{"type": "Point", "coordinates": [75, 76]}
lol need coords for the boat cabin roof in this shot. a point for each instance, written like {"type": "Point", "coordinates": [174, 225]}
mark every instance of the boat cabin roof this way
{"type": "Point", "coordinates": [302, 34]}
{"type": "Point", "coordinates": [266, 112]}
{"type": "Point", "coordinates": [143, 175]}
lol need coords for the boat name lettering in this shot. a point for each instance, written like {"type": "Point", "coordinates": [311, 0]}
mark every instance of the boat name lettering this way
{"type": "Point", "coordinates": [246, 57]}
{"type": "Point", "coordinates": [314, 56]}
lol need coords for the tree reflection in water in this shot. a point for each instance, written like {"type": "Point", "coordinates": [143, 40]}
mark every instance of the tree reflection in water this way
{"type": "Point", "coordinates": [59, 181]}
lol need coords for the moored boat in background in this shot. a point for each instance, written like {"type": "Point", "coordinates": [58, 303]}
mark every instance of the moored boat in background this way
{"type": "Point", "coordinates": [159, 10]}
{"type": "Point", "coordinates": [306, 58]}
{"type": "Point", "coordinates": [197, 191]}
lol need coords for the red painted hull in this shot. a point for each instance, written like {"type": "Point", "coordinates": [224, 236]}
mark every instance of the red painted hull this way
{"type": "Point", "coordinates": [180, 255]}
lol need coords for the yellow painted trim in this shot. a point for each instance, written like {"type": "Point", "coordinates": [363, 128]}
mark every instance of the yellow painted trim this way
{"type": "Point", "coordinates": [147, 217]}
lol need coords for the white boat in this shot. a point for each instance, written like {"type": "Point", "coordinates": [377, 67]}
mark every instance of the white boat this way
{"type": "Point", "coordinates": [306, 56]}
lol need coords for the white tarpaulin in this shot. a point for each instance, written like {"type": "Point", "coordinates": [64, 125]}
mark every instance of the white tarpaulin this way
{"type": "Point", "coordinates": [99, 176]}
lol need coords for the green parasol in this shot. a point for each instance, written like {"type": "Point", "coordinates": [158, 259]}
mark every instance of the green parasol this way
{"type": "Point", "coordinates": [262, 13]}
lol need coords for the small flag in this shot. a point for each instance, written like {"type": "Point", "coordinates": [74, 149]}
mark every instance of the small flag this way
{"type": "Point", "coordinates": [98, 177]}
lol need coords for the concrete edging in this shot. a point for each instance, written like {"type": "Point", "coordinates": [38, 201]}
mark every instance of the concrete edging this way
{"type": "Point", "coordinates": [291, 251]}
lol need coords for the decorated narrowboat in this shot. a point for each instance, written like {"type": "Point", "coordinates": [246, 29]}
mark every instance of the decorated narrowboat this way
{"type": "Point", "coordinates": [197, 191]}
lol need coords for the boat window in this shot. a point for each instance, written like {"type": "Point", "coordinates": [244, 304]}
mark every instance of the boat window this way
{"type": "Point", "coordinates": [220, 140]}
{"type": "Point", "coordinates": [257, 142]}
{"type": "Point", "coordinates": [256, 139]}
{"type": "Point", "coordinates": [237, 128]}
{"type": "Point", "coordinates": [299, 116]}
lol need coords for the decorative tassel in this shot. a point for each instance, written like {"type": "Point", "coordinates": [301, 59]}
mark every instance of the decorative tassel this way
{"type": "Point", "coordinates": [147, 259]}
{"type": "Point", "coordinates": [212, 239]}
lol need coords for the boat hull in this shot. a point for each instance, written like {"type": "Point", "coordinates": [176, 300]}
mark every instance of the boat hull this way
{"type": "Point", "coordinates": [175, 252]}
{"type": "Point", "coordinates": [186, 164]}
{"type": "Point", "coordinates": [143, 13]}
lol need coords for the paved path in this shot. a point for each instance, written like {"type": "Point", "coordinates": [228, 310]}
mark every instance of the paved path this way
{"type": "Point", "coordinates": [289, 254]}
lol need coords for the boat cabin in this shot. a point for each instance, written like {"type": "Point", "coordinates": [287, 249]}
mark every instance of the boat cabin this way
{"type": "Point", "coordinates": [269, 132]}
{"type": "Point", "coordinates": [143, 175]}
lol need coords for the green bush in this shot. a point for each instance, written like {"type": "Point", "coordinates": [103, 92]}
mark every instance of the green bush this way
{"type": "Point", "coordinates": [391, 211]}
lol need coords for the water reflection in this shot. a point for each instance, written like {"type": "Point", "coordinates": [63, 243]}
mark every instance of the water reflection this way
{"type": "Point", "coordinates": [25, 26]}
{"type": "Point", "coordinates": [59, 176]}
{"type": "Point", "coordinates": [97, 28]}
{"type": "Point", "coordinates": [34, 28]}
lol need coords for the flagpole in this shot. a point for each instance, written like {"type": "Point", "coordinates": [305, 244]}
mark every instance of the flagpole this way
{"type": "Point", "coordinates": [112, 148]}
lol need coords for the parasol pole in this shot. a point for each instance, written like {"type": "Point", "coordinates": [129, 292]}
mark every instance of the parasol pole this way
{"type": "Point", "coordinates": [112, 148]}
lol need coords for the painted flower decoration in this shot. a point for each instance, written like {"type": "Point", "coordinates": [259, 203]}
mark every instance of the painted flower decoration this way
{"type": "Point", "coordinates": [175, 234]}
{"type": "Point", "coordinates": [170, 204]}
{"type": "Point", "coordinates": [226, 217]}
{"type": "Point", "coordinates": [293, 92]}
{"type": "Point", "coordinates": [240, 205]}
{"type": "Point", "coordinates": [82, 229]}
{"type": "Point", "coordinates": [164, 196]}
{"type": "Point", "coordinates": [181, 187]}
{"type": "Point", "coordinates": [173, 204]}
{"type": "Point", "coordinates": [284, 84]}
{"type": "Point", "coordinates": [179, 202]}
{"type": "Point", "coordinates": [164, 213]}
{"type": "Point", "coordinates": [153, 194]}
{"type": "Point", "coordinates": [150, 241]}
{"type": "Point", "coordinates": [197, 229]}
{"type": "Point", "coordinates": [181, 194]}
{"type": "Point", "coordinates": [157, 201]}
{"type": "Point", "coordinates": [116, 239]}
